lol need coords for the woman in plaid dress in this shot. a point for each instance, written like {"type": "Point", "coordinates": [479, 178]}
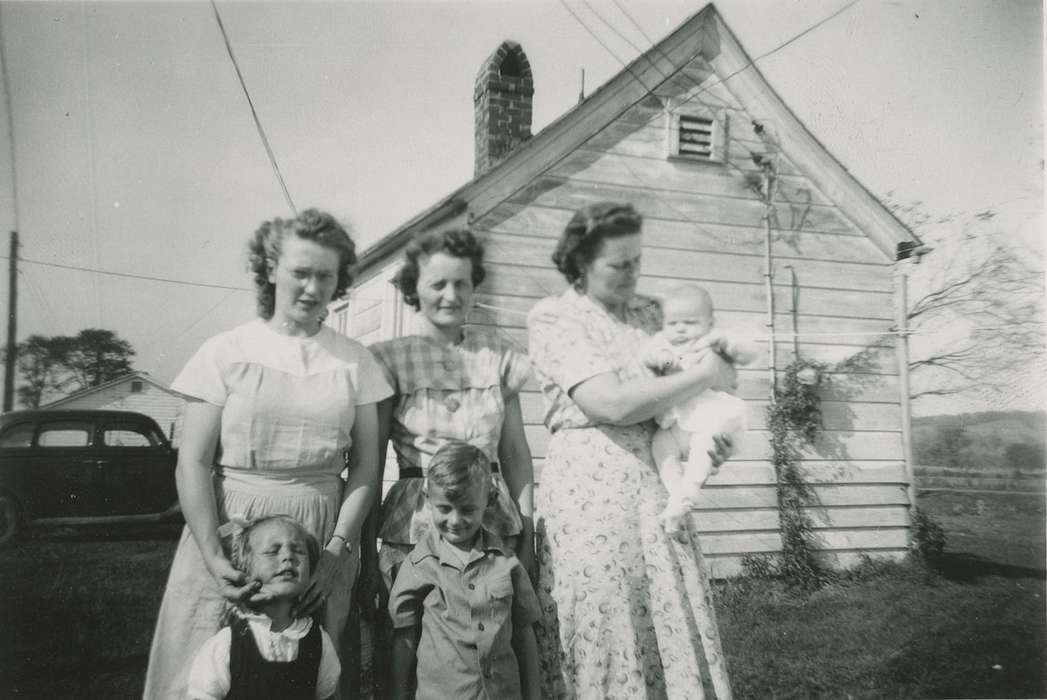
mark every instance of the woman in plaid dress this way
{"type": "Point", "coordinates": [451, 382]}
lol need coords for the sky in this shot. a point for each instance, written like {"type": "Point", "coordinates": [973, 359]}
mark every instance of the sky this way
{"type": "Point", "coordinates": [134, 150]}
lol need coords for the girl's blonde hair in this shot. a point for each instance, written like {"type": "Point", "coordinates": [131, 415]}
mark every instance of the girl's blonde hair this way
{"type": "Point", "coordinates": [240, 554]}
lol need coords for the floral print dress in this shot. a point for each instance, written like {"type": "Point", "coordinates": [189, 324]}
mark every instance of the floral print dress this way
{"type": "Point", "coordinates": [627, 610]}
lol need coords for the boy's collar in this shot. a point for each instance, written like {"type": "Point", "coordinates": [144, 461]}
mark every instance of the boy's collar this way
{"type": "Point", "coordinates": [429, 546]}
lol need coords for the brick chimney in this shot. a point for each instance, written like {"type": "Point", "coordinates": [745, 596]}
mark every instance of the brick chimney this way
{"type": "Point", "coordinates": [503, 97]}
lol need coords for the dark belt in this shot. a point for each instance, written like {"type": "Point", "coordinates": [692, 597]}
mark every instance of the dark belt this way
{"type": "Point", "coordinates": [417, 473]}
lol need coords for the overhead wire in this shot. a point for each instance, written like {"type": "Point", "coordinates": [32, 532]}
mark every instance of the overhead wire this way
{"type": "Point", "coordinates": [38, 295]}
{"type": "Point", "coordinates": [129, 275]}
{"type": "Point", "coordinates": [693, 96]}
{"type": "Point", "coordinates": [254, 112]}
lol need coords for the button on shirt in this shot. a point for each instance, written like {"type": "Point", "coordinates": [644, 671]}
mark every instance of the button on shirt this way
{"type": "Point", "coordinates": [468, 607]}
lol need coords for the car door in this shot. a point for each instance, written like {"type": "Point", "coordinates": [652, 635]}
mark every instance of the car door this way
{"type": "Point", "coordinates": [138, 474]}
{"type": "Point", "coordinates": [67, 469]}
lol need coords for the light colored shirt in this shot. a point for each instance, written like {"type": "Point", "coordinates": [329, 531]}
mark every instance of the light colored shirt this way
{"type": "Point", "coordinates": [571, 339]}
{"type": "Point", "coordinates": [288, 403]}
{"type": "Point", "coordinates": [210, 678]}
{"type": "Point", "coordinates": [468, 614]}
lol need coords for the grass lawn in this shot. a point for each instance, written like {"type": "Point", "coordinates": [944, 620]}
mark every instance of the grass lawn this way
{"type": "Point", "coordinates": [79, 610]}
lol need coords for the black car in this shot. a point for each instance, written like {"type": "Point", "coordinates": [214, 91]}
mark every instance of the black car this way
{"type": "Point", "coordinates": [84, 466]}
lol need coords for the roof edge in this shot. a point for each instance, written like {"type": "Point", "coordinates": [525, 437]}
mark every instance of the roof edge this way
{"type": "Point", "coordinates": [80, 393]}
{"type": "Point", "coordinates": [654, 61]}
{"type": "Point", "coordinates": [815, 161]}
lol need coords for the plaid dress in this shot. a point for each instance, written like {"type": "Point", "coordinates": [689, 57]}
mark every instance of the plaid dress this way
{"type": "Point", "coordinates": [444, 392]}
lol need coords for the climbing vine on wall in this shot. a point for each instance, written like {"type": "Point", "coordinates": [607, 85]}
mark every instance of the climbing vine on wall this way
{"type": "Point", "coordinates": [795, 419]}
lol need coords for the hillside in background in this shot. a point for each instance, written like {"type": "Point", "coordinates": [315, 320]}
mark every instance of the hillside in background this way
{"type": "Point", "coordinates": [1011, 441]}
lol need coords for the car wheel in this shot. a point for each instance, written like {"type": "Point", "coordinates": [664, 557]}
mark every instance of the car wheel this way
{"type": "Point", "coordinates": [10, 519]}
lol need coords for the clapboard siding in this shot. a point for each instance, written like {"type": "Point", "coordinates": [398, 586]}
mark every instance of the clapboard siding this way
{"type": "Point", "coordinates": [836, 415]}
{"type": "Point", "coordinates": [755, 445]}
{"type": "Point", "coordinates": [821, 518]}
{"type": "Point", "coordinates": [740, 265]}
{"type": "Point", "coordinates": [369, 310]}
{"type": "Point", "coordinates": [729, 565]}
{"type": "Point", "coordinates": [681, 206]}
{"type": "Point", "coordinates": [548, 222]}
{"type": "Point", "coordinates": [537, 282]}
{"type": "Point", "coordinates": [849, 334]}
{"type": "Point", "coordinates": [704, 224]}
{"type": "Point", "coordinates": [676, 176]}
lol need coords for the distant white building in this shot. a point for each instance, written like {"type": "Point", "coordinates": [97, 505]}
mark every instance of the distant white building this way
{"type": "Point", "coordinates": [136, 391]}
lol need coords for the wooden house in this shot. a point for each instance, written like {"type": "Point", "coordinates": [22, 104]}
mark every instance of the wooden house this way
{"type": "Point", "coordinates": [692, 135]}
{"type": "Point", "coordinates": [135, 391]}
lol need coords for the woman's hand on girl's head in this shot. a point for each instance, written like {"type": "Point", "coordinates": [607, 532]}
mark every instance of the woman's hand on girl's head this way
{"type": "Point", "coordinates": [322, 584]}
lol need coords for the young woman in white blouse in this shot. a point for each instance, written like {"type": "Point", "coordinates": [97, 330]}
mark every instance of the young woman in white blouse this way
{"type": "Point", "coordinates": [276, 409]}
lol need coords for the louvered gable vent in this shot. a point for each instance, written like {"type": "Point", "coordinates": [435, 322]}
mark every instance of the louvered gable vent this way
{"type": "Point", "coordinates": [696, 137]}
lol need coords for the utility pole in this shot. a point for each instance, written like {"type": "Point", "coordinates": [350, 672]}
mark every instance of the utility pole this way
{"type": "Point", "coordinates": [10, 357]}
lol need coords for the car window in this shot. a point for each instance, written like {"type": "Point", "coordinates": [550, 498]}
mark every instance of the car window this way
{"type": "Point", "coordinates": [128, 436]}
{"type": "Point", "coordinates": [19, 435]}
{"type": "Point", "coordinates": [67, 433]}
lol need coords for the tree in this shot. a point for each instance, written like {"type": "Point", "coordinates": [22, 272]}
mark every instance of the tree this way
{"type": "Point", "coordinates": [97, 356]}
{"type": "Point", "coordinates": [1024, 456]}
{"type": "Point", "coordinates": [976, 307]}
{"type": "Point", "coordinates": [61, 364]}
{"type": "Point", "coordinates": [41, 362]}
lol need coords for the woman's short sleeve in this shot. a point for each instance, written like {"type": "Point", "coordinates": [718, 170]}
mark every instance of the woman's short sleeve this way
{"type": "Point", "coordinates": [371, 383]}
{"type": "Point", "coordinates": [203, 376]}
{"type": "Point", "coordinates": [382, 353]}
{"type": "Point", "coordinates": [563, 348]}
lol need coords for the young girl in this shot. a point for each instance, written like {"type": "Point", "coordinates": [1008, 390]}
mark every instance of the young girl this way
{"type": "Point", "coordinates": [265, 652]}
{"type": "Point", "coordinates": [462, 606]}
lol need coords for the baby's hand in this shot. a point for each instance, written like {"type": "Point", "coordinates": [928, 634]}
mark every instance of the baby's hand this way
{"type": "Point", "coordinates": [734, 351]}
{"type": "Point", "coordinates": [658, 358]}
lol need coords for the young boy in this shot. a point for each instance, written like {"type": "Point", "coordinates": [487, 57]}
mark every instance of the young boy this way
{"type": "Point", "coordinates": [686, 431]}
{"type": "Point", "coordinates": [462, 606]}
{"type": "Point", "coordinates": [264, 652]}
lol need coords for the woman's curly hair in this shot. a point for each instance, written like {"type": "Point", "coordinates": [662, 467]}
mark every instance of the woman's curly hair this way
{"type": "Point", "coordinates": [456, 242]}
{"type": "Point", "coordinates": [265, 246]}
{"type": "Point", "coordinates": [585, 233]}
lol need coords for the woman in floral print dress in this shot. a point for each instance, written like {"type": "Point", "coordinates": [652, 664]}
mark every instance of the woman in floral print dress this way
{"type": "Point", "coordinates": [628, 611]}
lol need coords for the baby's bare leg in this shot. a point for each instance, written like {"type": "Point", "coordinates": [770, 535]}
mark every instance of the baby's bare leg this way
{"type": "Point", "coordinates": [699, 466]}
{"type": "Point", "coordinates": [667, 455]}
{"type": "Point", "coordinates": [668, 448]}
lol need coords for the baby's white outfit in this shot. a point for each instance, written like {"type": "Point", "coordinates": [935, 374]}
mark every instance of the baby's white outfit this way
{"type": "Point", "coordinates": [704, 416]}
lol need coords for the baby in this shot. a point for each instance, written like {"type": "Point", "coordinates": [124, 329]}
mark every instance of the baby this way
{"type": "Point", "coordinates": [686, 431]}
{"type": "Point", "coordinates": [264, 652]}
{"type": "Point", "coordinates": [462, 606]}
